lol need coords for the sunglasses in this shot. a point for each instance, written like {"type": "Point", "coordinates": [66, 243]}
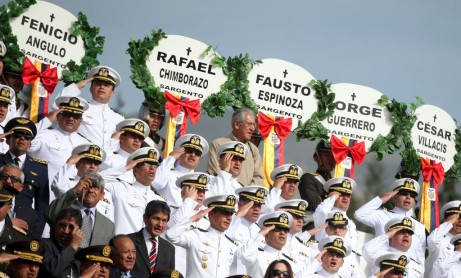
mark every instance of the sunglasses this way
{"type": "Point", "coordinates": [194, 151]}
{"type": "Point", "coordinates": [278, 273]}
{"type": "Point", "coordinates": [14, 179]}
{"type": "Point", "coordinates": [281, 229]}
{"type": "Point", "coordinates": [406, 193]}
{"type": "Point", "coordinates": [26, 137]}
{"type": "Point", "coordinates": [68, 114]}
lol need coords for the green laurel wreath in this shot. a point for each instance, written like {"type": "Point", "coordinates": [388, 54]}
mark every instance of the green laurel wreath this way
{"type": "Point", "coordinates": [234, 92]}
{"type": "Point", "coordinates": [14, 59]}
{"type": "Point", "coordinates": [94, 46]}
{"type": "Point", "coordinates": [313, 129]}
{"type": "Point", "coordinates": [454, 173]}
{"type": "Point", "coordinates": [139, 51]}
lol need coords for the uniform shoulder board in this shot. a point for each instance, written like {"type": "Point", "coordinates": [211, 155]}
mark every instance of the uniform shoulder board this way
{"type": "Point", "coordinates": [84, 137]}
{"type": "Point", "coordinates": [357, 253]}
{"type": "Point", "coordinates": [231, 240]}
{"type": "Point", "coordinates": [315, 174]}
{"type": "Point", "coordinates": [301, 241]}
{"type": "Point", "coordinates": [288, 257]}
{"type": "Point", "coordinates": [203, 230]}
{"type": "Point", "coordinates": [122, 181]}
{"type": "Point", "coordinates": [20, 230]}
{"type": "Point", "coordinates": [313, 240]}
{"type": "Point", "coordinates": [41, 161]}
{"type": "Point", "coordinates": [215, 174]}
{"type": "Point", "coordinates": [115, 152]}
{"type": "Point", "coordinates": [50, 128]}
{"type": "Point", "coordinates": [260, 249]}
{"type": "Point", "coordinates": [116, 111]}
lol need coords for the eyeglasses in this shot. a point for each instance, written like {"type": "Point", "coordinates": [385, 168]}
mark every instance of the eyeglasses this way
{"type": "Point", "coordinates": [14, 179]}
{"type": "Point", "coordinates": [278, 273]}
{"type": "Point", "coordinates": [248, 124]}
{"type": "Point", "coordinates": [68, 114]}
{"type": "Point", "coordinates": [26, 137]}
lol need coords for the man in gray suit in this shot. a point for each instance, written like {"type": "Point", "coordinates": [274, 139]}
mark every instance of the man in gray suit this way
{"type": "Point", "coordinates": [85, 196]}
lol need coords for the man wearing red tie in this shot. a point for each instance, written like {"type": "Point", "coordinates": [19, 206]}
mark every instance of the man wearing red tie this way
{"type": "Point", "coordinates": [153, 252]}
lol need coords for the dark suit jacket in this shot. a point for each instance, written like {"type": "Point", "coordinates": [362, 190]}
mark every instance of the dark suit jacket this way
{"type": "Point", "coordinates": [58, 261]}
{"type": "Point", "coordinates": [103, 229]}
{"type": "Point", "coordinates": [165, 256]}
{"type": "Point", "coordinates": [36, 186]}
{"type": "Point", "coordinates": [10, 234]}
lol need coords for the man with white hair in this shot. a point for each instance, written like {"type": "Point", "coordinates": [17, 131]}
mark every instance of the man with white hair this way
{"type": "Point", "coordinates": [243, 124]}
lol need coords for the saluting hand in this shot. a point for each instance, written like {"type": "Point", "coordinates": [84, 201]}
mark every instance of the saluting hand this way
{"type": "Point", "coordinates": [73, 159]}
{"type": "Point", "coordinates": [244, 209]}
{"type": "Point", "coordinates": [225, 162]}
{"type": "Point", "coordinates": [83, 83]}
{"type": "Point", "coordinates": [177, 153]}
{"type": "Point", "coordinates": [266, 229]}
{"type": "Point", "coordinates": [387, 196]}
{"type": "Point", "coordinates": [383, 273]}
{"type": "Point", "coordinates": [200, 214]}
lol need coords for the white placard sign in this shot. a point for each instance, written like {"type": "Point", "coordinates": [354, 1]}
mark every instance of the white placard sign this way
{"type": "Point", "coordinates": [358, 115]}
{"type": "Point", "coordinates": [178, 65]}
{"type": "Point", "coordinates": [281, 88]}
{"type": "Point", "coordinates": [44, 33]}
{"type": "Point", "coordinates": [433, 135]}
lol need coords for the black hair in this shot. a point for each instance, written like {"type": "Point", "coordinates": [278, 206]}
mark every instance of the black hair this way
{"type": "Point", "coordinates": [156, 206]}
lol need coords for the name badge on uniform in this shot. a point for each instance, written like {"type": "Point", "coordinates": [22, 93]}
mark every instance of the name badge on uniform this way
{"type": "Point", "coordinates": [179, 118]}
{"type": "Point", "coordinates": [347, 163]}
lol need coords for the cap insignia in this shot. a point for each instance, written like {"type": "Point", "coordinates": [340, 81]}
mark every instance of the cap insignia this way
{"type": "Point", "coordinates": [346, 184]}
{"type": "Point", "coordinates": [338, 243]}
{"type": "Point", "coordinates": [106, 251]}
{"type": "Point", "coordinates": [195, 140]}
{"type": "Point", "coordinates": [283, 218]}
{"type": "Point", "coordinates": [94, 150]}
{"type": "Point", "coordinates": [230, 201]}
{"type": "Point", "coordinates": [403, 261]}
{"type": "Point", "coordinates": [293, 170]}
{"type": "Point", "coordinates": [202, 179]}
{"type": "Point", "coordinates": [103, 72]}
{"type": "Point", "coordinates": [74, 102]}
{"type": "Point", "coordinates": [33, 246]}
{"type": "Point", "coordinates": [139, 127]}
{"type": "Point", "coordinates": [239, 148]}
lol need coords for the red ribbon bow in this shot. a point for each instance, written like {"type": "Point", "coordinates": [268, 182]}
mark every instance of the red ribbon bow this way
{"type": "Point", "coordinates": [282, 126]}
{"type": "Point", "coordinates": [191, 107]}
{"type": "Point", "coordinates": [341, 151]}
{"type": "Point", "coordinates": [49, 77]}
{"type": "Point", "coordinates": [435, 171]}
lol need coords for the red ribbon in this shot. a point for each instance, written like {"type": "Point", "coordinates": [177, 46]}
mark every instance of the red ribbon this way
{"type": "Point", "coordinates": [49, 77]}
{"type": "Point", "coordinates": [435, 171]}
{"type": "Point", "coordinates": [340, 151]}
{"type": "Point", "coordinates": [191, 108]}
{"type": "Point", "coordinates": [282, 126]}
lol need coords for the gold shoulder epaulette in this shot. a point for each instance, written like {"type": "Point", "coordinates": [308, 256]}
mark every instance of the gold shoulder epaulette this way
{"type": "Point", "coordinates": [20, 230]}
{"type": "Point", "coordinates": [45, 162]}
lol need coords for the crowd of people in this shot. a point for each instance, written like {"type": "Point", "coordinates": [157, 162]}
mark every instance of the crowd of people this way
{"type": "Point", "coordinates": [88, 193]}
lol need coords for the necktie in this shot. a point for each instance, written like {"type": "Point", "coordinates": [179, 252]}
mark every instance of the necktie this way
{"type": "Point", "coordinates": [16, 161]}
{"type": "Point", "coordinates": [153, 255]}
{"type": "Point", "coordinates": [87, 227]}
